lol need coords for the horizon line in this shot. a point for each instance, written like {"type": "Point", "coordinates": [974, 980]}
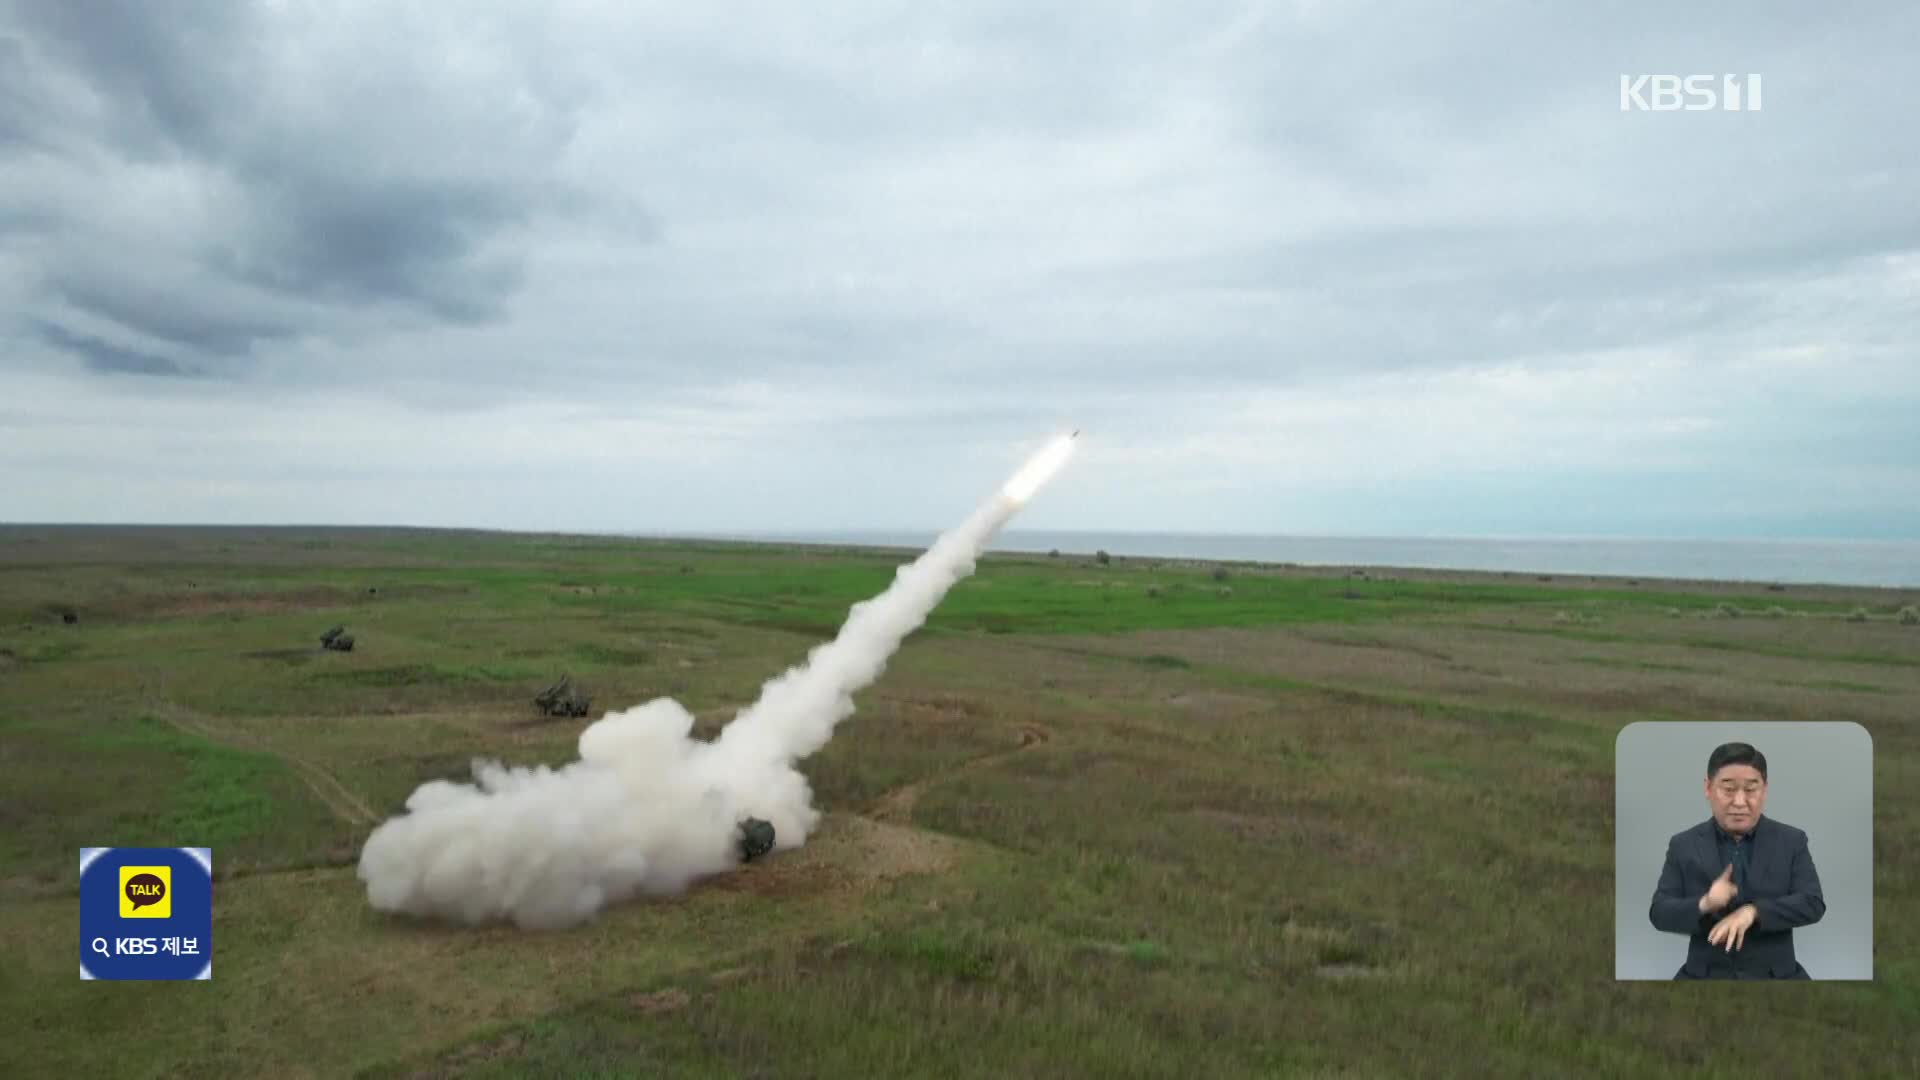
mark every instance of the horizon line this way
{"type": "Point", "coordinates": [935, 531]}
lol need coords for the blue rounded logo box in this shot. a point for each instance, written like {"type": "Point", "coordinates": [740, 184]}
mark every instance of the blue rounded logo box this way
{"type": "Point", "coordinates": [146, 913]}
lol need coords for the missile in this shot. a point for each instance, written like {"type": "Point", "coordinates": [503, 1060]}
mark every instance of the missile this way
{"type": "Point", "coordinates": [1040, 468]}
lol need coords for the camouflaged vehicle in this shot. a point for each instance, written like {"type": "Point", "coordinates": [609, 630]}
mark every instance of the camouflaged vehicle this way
{"type": "Point", "coordinates": [756, 838]}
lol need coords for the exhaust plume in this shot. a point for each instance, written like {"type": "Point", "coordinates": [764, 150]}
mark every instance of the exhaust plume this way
{"type": "Point", "coordinates": [648, 809]}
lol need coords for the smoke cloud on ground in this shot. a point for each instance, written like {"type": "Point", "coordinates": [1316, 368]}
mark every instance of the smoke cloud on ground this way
{"type": "Point", "coordinates": [648, 809]}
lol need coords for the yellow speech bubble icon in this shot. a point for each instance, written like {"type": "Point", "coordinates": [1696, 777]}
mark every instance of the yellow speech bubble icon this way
{"type": "Point", "coordinates": [146, 892]}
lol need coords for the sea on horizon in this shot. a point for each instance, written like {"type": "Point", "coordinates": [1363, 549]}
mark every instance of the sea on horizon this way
{"type": "Point", "coordinates": [1876, 563]}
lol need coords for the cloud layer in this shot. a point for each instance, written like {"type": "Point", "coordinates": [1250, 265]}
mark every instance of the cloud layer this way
{"type": "Point", "coordinates": [1295, 267]}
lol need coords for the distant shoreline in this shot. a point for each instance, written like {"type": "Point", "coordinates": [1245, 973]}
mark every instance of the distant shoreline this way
{"type": "Point", "coordinates": [1867, 564]}
{"type": "Point", "coordinates": [1443, 575]}
{"type": "Point", "coordinates": [36, 542]}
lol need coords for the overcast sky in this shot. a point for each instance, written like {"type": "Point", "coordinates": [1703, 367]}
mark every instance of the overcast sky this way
{"type": "Point", "coordinates": [1335, 268]}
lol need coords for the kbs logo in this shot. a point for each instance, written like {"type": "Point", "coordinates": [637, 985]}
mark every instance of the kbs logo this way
{"type": "Point", "coordinates": [1692, 93]}
{"type": "Point", "coordinates": [146, 913]}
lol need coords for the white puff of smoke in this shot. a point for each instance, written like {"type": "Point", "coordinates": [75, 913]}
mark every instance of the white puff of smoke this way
{"type": "Point", "coordinates": [797, 712]}
{"type": "Point", "coordinates": [648, 809]}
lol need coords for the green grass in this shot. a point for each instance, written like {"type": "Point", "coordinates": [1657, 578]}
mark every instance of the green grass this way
{"type": "Point", "coordinates": [1634, 665]}
{"type": "Point", "coordinates": [428, 674]}
{"type": "Point", "coordinates": [1906, 660]}
{"type": "Point", "coordinates": [137, 781]}
{"type": "Point", "coordinates": [1788, 652]}
{"type": "Point", "coordinates": [1840, 684]}
{"type": "Point", "coordinates": [1321, 826]}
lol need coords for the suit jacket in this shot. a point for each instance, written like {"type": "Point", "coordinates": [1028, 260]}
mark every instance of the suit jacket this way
{"type": "Point", "coordinates": [1781, 885]}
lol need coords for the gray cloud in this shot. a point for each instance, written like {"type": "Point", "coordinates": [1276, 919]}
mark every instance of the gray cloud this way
{"type": "Point", "coordinates": [340, 239]}
{"type": "Point", "coordinates": [795, 236]}
{"type": "Point", "coordinates": [363, 174]}
{"type": "Point", "coordinates": [110, 359]}
{"type": "Point", "coordinates": [170, 312]}
{"type": "Point", "coordinates": [16, 101]}
{"type": "Point", "coordinates": [167, 68]}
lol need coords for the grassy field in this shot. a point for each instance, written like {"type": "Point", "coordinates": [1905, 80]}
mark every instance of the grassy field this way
{"type": "Point", "coordinates": [1122, 820]}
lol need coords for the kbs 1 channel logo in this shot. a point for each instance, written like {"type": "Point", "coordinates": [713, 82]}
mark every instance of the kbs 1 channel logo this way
{"type": "Point", "coordinates": [1690, 93]}
{"type": "Point", "coordinates": [146, 913]}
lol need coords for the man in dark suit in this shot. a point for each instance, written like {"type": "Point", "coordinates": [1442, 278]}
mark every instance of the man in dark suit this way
{"type": "Point", "coordinates": [1738, 883]}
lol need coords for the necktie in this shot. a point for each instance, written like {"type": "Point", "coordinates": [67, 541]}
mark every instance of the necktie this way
{"type": "Point", "coordinates": [1740, 868]}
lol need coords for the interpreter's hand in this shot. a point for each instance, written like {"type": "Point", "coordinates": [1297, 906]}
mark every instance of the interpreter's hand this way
{"type": "Point", "coordinates": [1721, 894]}
{"type": "Point", "coordinates": [1731, 931]}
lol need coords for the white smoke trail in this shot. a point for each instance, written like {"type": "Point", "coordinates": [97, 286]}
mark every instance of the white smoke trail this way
{"type": "Point", "coordinates": [648, 809]}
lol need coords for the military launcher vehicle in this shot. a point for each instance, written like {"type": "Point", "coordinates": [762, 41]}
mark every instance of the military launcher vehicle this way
{"type": "Point", "coordinates": [756, 838]}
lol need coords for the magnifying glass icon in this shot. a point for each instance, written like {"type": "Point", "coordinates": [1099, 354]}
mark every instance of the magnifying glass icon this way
{"type": "Point", "coordinates": [100, 946]}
